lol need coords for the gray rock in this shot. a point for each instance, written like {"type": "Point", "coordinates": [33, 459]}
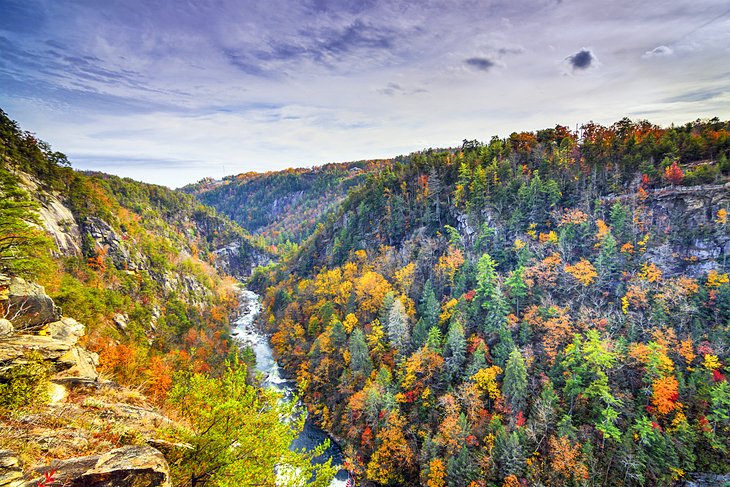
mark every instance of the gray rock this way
{"type": "Point", "coordinates": [59, 222]}
{"type": "Point", "coordinates": [67, 329]}
{"type": "Point", "coordinates": [6, 328]}
{"type": "Point", "coordinates": [707, 480]}
{"type": "Point", "coordinates": [29, 305]}
{"type": "Point", "coordinates": [105, 236]}
{"type": "Point", "coordinates": [121, 321]}
{"type": "Point", "coordinates": [128, 466]}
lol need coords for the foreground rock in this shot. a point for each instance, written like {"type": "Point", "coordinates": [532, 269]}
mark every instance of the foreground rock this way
{"type": "Point", "coordinates": [129, 466]}
{"type": "Point", "coordinates": [28, 304]}
{"type": "Point", "coordinates": [59, 351]}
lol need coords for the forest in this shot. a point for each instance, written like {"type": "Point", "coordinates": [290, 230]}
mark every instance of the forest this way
{"type": "Point", "coordinates": [136, 265]}
{"type": "Point", "coordinates": [549, 308]}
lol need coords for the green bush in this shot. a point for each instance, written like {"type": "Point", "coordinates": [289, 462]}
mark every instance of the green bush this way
{"type": "Point", "coordinates": [24, 386]}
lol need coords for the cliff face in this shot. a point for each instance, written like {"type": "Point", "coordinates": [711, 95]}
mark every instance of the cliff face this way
{"type": "Point", "coordinates": [682, 222]}
{"type": "Point", "coordinates": [79, 234]}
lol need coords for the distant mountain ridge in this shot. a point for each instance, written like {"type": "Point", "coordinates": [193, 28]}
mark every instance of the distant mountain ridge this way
{"type": "Point", "coordinates": [284, 205]}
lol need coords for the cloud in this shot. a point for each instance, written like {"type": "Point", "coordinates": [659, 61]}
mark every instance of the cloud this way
{"type": "Point", "coordinates": [659, 51]}
{"type": "Point", "coordinates": [582, 59]}
{"type": "Point", "coordinates": [392, 89]}
{"type": "Point", "coordinates": [480, 63]}
{"type": "Point", "coordinates": [695, 96]}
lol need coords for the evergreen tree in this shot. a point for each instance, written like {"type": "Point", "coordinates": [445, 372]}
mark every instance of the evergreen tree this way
{"type": "Point", "coordinates": [360, 361]}
{"type": "Point", "coordinates": [398, 333]}
{"type": "Point", "coordinates": [505, 345]}
{"type": "Point", "coordinates": [455, 350]}
{"type": "Point", "coordinates": [435, 339]}
{"type": "Point", "coordinates": [339, 335]}
{"type": "Point", "coordinates": [24, 248]}
{"type": "Point", "coordinates": [516, 287]}
{"type": "Point", "coordinates": [420, 334]}
{"type": "Point", "coordinates": [478, 361]}
{"type": "Point", "coordinates": [509, 454]}
{"type": "Point", "coordinates": [429, 306]}
{"type": "Point", "coordinates": [461, 469]}
{"type": "Point", "coordinates": [384, 313]}
{"type": "Point", "coordinates": [606, 261]}
{"type": "Point", "coordinates": [486, 279]}
{"type": "Point", "coordinates": [514, 385]}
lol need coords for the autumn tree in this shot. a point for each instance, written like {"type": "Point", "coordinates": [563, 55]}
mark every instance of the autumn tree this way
{"type": "Point", "coordinates": [236, 434]}
{"type": "Point", "coordinates": [393, 458]}
{"type": "Point", "coordinates": [674, 174]}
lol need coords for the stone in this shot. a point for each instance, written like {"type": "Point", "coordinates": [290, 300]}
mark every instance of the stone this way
{"type": "Point", "coordinates": [67, 329]}
{"type": "Point", "coordinates": [6, 328]}
{"type": "Point", "coordinates": [59, 222]}
{"type": "Point", "coordinates": [29, 305]}
{"type": "Point", "coordinates": [81, 364]}
{"type": "Point", "coordinates": [63, 356]}
{"type": "Point", "coordinates": [105, 236]}
{"type": "Point", "coordinates": [129, 466]}
{"type": "Point", "coordinates": [121, 321]}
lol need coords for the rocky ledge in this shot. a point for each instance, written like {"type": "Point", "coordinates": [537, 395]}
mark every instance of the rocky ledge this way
{"type": "Point", "coordinates": [75, 435]}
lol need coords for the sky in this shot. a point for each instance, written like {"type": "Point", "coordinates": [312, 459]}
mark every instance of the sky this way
{"type": "Point", "coordinates": [172, 91]}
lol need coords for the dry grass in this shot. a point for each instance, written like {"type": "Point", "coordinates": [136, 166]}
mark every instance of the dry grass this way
{"type": "Point", "coordinates": [92, 419]}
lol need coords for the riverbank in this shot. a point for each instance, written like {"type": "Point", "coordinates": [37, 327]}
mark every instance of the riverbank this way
{"type": "Point", "coordinates": [244, 330]}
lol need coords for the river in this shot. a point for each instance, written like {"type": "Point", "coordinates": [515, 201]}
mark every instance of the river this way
{"type": "Point", "coordinates": [244, 329]}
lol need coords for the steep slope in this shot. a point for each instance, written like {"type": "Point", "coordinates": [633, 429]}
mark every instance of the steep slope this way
{"type": "Point", "coordinates": [283, 205]}
{"type": "Point", "coordinates": [536, 310]}
{"type": "Point", "coordinates": [144, 271]}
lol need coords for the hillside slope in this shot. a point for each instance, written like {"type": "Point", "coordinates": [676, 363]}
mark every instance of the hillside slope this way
{"type": "Point", "coordinates": [146, 271]}
{"type": "Point", "coordinates": [283, 205]}
{"type": "Point", "coordinates": [545, 309]}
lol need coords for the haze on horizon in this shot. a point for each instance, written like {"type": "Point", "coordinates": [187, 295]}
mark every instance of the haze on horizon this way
{"type": "Point", "coordinates": [169, 92]}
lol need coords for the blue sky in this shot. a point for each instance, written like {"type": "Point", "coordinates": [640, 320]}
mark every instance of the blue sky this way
{"type": "Point", "coordinates": [173, 91]}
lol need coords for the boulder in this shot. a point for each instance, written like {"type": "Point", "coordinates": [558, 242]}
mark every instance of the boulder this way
{"type": "Point", "coordinates": [6, 328]}
{"type": "Point", "coordinates": [81, 365]}
{"type": "Point", "coordinates": [121, 321]}
{"type": "Point", "coordinates": [67, 329]}
{"type": "Point", "coordinates": [29, 305]}
{"type": "Point", "coordinates": [128, 466]}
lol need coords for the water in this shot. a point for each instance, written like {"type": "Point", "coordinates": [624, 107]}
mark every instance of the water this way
{"type": "Point", "coordinates": [245, 331]}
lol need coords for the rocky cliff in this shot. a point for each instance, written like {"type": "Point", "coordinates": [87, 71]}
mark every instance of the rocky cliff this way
{"type": "Point", "coordinates": [82, 430]}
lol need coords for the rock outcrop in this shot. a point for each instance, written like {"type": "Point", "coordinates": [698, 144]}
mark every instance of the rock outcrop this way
{"type": "Point", "coordinates": [60, 224]}
{"type": "Point", "coordinates": [11, 475]}
{"type": "Point", "coordinates": [28, 305]}
{"type": "Point", "coordinates": [59, 351]}
{"type": "Point", "coordinates": [6, 328]}
{"type": "Point", "coordinates": [128, 466]}
{"type": "Point", "coordinates": [105, 237]}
